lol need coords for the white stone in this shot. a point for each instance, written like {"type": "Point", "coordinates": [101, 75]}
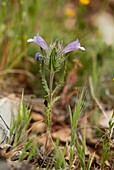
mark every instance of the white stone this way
{"type": "Point", "coordinates": [8, 107]}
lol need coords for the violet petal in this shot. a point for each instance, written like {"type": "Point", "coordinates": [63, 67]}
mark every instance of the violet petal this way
{"type": "Point", "coordinates": [39, 41]}
{"type": "Point", "coordinates": [73, 46]}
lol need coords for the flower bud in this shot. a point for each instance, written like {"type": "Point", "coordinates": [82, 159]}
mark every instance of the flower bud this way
{"type": "Point", "coordinates": [38, 56]}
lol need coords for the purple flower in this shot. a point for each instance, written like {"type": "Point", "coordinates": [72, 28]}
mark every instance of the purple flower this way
{"type": "Point", "coordinates": [72, 46]}
{"type": "Point", "coordinates": [38, 56]}
{"type": "Point", "coordinates": [39, 40]}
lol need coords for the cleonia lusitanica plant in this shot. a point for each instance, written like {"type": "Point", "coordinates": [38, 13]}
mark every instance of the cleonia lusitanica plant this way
{"type": "Point", "coordinates": [53, 59]}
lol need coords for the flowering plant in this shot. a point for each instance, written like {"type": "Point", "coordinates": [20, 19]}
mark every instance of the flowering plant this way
{"type": "Point", "coordinates": [54, 59]}
{"type": "Point", "coordinates": [53, 55]}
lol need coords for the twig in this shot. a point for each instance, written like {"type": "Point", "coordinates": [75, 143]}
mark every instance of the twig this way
{"type": "Point", "coordinates": [5, 123]}
{"type": "Point", "coordinates": [96, 100]}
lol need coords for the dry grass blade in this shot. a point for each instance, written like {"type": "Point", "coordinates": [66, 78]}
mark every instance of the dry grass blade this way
{"type": "Point", "coordinates": [17, 71]}
{"type": "Point", "coordinates": [95, 99]}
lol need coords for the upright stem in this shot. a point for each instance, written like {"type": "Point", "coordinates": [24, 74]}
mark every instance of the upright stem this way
{"type": "Point", "coordinates": [51, 96]}
{"type": "Point", "coordinates": [51, 85]}
{"type": "Point", "coordinates": [49, 108]}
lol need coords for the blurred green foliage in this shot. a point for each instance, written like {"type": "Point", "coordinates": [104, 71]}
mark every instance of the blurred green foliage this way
{"type": "Point", "coordinates": [23, 19]}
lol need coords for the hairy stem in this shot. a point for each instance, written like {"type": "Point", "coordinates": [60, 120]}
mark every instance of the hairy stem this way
{"type": "Point", "coordinates": [49, 108]}
{"type": "Point", "coordinates": [51, 85]}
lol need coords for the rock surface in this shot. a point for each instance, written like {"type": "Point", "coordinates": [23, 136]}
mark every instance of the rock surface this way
{"type": "Point", "coordinates": [8, 108]}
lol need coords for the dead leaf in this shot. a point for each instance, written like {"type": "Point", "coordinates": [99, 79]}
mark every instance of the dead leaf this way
{"type": "Point", "coordinates": [38, 127]}
{"type": "Point", "coordinates": [37, 116]}
{"type": "Point", "coordinates": [62, 134]}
